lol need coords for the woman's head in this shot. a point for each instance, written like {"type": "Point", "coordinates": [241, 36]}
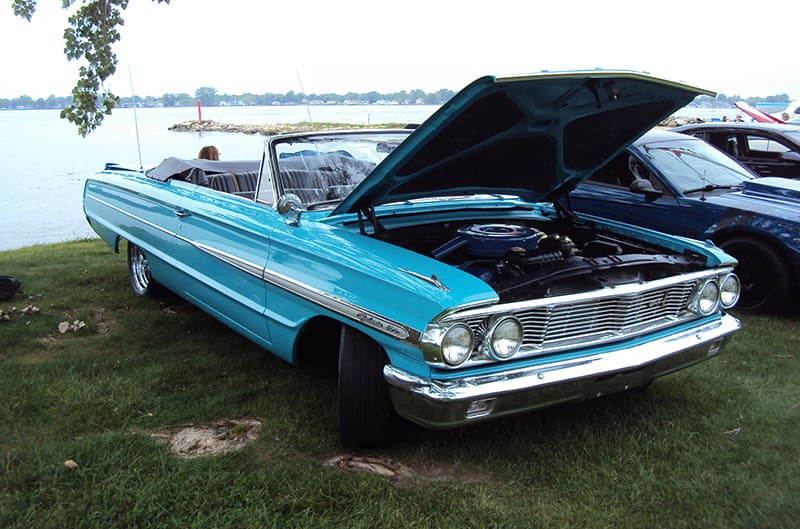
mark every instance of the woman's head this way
{"type": "Point", "coordinates": [209, 152]}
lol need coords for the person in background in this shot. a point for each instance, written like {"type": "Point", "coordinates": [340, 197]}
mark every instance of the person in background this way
{"type": "Point", "coordinates": [209, 152]}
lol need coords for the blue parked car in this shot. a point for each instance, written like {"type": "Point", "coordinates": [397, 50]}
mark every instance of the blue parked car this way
{"type": "Point", "coordinates": [440, 269]}
{"type": "Point", "coordinates": [682, 185]}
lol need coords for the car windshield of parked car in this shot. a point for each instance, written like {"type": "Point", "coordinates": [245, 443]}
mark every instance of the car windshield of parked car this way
{"type": "Point", "coordinates": [694, 165]}
{"type": "Point", "coordinates": [323, 169]}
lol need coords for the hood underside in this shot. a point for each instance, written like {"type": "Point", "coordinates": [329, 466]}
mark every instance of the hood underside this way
{"type": "Point", "coordinates": [532, 136]}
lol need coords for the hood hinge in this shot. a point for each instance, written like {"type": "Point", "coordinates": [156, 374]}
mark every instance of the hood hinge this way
{"type": "Point", "coordinates": [563, 206]}
{"type": "Point", "coordinates": [369, 213]}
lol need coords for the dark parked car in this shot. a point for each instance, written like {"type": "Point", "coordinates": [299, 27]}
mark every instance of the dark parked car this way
{"type": "Point", "coordinates": [769, 149]}
{"type": "Point", "coordinates": [439, 269]}
{"type": "Point", "coordinates": [682, 185]}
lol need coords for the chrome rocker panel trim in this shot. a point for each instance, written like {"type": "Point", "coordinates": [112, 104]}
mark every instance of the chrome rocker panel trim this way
{"type": "Point", "coordinates": [441, 404]}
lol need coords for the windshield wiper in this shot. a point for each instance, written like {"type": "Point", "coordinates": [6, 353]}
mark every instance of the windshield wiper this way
{"type": "Point", "coordinates": [712, 187]}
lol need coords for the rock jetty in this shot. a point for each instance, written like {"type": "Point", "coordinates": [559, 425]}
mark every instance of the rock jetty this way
{"type": "Point", "coordinates": [208, 125]}
{"type": "Point", "coordinates": [675, 121]}
{"type": "Point", "coordinates": [271, 129]}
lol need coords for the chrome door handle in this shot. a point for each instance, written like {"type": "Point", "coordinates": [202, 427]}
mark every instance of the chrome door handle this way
{"type": "Point", "coordinates": [183, 213]}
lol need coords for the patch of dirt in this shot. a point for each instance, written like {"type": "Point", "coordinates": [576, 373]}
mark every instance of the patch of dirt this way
{"type": "Point", "coordinates": [382, 466]}
{"type": "Point", "coordinates": [219, 437]}
{"type": "Point", "coordinates": [48, 340]}
{"type": "Point", "coordinates": [227, 435]}
{"type": "Point", "coordinates": [403, 475]}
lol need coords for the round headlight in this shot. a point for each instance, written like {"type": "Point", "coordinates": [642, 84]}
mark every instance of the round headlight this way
{"type": "Point", "coordinates": [457, 344]}
{"type": "Point", "coordinates": [504, 338]}
{"type": "Point", "coordinates": [729, 290]}
{"type": "Point", "coordinates": [708, 298]}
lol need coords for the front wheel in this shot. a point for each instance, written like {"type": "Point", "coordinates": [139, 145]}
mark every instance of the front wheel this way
{"type": "Point", "coordinates": [366, 415]}
{"type": "Point", "coordinates": [766, 280]}
{"type": "Point", "coordinates": [139, 270]}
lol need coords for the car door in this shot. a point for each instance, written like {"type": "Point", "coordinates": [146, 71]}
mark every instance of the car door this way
{"type": "Point", "coordinates": [608, 193]}
{"type": "Point", "coordinates": [226, 243]}
{"type": "Point", "coordinates": [766, 155]}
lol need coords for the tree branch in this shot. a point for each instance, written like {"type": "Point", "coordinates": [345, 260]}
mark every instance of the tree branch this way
{"type": "Point", "coordinates": [93, 29]}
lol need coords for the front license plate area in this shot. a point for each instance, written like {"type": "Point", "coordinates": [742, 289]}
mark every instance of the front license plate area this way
{"type": "Point", "coordinates": [618, 382]}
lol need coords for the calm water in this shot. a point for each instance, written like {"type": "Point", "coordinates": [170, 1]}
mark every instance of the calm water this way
{"type": "Point", "coordinates": [45, 162]}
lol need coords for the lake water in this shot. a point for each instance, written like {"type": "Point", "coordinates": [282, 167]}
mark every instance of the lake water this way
{"type": "Point", "coordinates": [43, 161]}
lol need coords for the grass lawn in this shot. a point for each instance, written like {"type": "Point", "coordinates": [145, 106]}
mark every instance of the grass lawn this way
{"type": "Point", "coordinates": [714, 446]}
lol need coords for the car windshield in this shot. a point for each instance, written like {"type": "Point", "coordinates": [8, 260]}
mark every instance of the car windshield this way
{"type": "Point", "coordinates": [323, 169]}
{"type": "Point", "coordinates": [694, 165]}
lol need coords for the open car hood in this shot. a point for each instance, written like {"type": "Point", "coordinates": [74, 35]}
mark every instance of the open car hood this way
{"type": "Point", "coordinates": [534, 136]}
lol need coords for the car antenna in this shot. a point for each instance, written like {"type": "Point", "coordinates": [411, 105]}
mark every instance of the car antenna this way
{"type": "Point", "coordinates": [302, 91]}
{"type": "Point", "coordinates": [705, 183]}
{"type": "Point", "coordinates": [135, 119]}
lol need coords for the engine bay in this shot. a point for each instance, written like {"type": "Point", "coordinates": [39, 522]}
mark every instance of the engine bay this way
{"type": "Point", "coordinates": [526, 260]}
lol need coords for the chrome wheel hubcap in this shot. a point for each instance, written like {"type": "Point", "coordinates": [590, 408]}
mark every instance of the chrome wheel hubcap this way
{"type": "Point", "coordinates": [140, 270]}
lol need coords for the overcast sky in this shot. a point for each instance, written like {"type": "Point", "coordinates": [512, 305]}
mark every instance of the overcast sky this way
{"type": "Point", "coordinates": [237, 46]}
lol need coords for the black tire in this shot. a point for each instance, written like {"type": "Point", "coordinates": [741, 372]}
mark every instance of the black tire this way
{"type": "Point", "coordinates": [142, 281]}
{"type": "Point", "coordinates": [765, 277]}
{"type": "Point", "coordinates": [366, 415]}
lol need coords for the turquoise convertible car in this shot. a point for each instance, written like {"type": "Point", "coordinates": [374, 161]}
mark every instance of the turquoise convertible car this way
{"type": "Point", "coordinates": [441, 268]}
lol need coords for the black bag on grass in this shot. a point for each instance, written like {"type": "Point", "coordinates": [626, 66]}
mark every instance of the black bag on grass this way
{"type": "Point", "coordinates": [9, 286]}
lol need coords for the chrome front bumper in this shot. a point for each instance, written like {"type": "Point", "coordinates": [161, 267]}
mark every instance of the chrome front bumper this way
{"type": "Point", "coordinates": [449, 403]}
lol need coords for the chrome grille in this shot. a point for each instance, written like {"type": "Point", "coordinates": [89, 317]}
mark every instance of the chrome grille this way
{"type": "Point", "coordinates": [554, 326]}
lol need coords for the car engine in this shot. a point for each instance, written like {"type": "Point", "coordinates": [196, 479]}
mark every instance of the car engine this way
{"type": "Point", "coordinates": [524, 261]}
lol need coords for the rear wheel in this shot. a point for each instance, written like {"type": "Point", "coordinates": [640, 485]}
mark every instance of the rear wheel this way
{"type": "Point", "coordinates": [139, 270]}
{"type": "Point", "coordinates": [366, 415]}
{"type": "Point", "coordinates": [765, 278]}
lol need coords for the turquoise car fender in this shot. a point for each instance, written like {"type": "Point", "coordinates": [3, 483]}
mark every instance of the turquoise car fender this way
{"type": "Point", "coordinates": [388, 292]}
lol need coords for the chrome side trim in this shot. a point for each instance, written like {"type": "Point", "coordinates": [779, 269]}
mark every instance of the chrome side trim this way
{"type": "Point", "coordinates": [242, 264]}
{"type": "Point", "coordinates": [333, 303]}
{"type": "Point", "coordinates": [132, 216]}
{"type": "Point", "coordinates": [344, 307]}
{"type": "Point", "coordinates": [445, 403]}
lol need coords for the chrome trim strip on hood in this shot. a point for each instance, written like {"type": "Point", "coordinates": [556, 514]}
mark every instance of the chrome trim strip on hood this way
{"type": "Point", "coordinates": [607, 292]}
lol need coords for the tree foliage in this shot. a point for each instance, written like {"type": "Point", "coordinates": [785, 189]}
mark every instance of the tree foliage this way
{"type": "Point", "coordinates": [724, 101]}
{"type": "Point", "coordinates": [92, 30]}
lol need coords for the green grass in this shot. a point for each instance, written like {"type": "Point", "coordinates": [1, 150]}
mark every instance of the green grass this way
{"type": "Point", "coordinates": [714, 446]}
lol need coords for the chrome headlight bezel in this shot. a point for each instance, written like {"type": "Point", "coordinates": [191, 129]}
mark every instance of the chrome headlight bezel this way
{"type": "Point", "coordinates": [730, 289]}
{"type": "Point", "coordinates": [706, 300]}
{"type": "Point", "coordinates": [456, 343]}
{"type": "Point", "coordinates": [498, 331]}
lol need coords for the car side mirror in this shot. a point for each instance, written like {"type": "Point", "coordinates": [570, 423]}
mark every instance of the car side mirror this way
{"type": "Point", "coordinates": [289, 206]}
{"type": "Point", "coordinates": [644, 187]}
